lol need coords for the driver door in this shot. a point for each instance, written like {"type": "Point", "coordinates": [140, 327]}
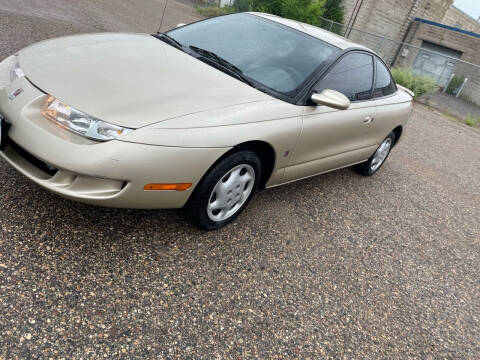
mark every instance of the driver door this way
{"type": "Point", "coordinates": [330, 138]}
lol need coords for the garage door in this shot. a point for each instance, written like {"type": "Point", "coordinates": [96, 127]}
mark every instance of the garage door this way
{"type": "Point", "coordinates": [435, 63]}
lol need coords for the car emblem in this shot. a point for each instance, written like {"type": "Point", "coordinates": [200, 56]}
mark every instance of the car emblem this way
{"type": "Point", "coordinates": [14, 94]}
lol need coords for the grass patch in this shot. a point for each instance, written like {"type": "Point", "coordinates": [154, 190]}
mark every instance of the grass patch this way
{"type": "Point", "coordinates": [419, 84]}
{"type": "Point", "coordinates": [213, 11]}
{"type": "Point", "coordinates": [307, 11]}
{"type": "Point", "coordinates": [471, 120]}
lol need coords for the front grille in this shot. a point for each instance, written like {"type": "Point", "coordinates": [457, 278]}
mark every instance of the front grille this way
{"type": "Point", "coordinates": [39, 164]}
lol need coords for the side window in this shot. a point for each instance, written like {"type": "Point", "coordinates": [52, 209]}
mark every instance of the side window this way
{"type": "Point", "coordinates": [352, 76]}
{"type": "Point", "coordinates": [385, 85]}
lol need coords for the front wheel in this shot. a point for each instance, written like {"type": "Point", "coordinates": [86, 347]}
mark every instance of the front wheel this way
{"type": "Point", "coordinates": [372, 165]}
{"type": "Point", "coordinates": [225, 191]}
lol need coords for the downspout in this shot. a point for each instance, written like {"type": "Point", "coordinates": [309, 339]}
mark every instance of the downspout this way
{"type": "Point", "coordinates": [353, 13]}
{"type": "Point", "coordinates": [412, 9]}
{"type": "Point", "coordinates": [353, 18]}
{"type": "Point", "coordinates": [397, 53]}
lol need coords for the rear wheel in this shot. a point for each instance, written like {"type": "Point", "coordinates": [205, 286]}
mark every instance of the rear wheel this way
{"type": "Point", "coordinates": [372, 165]}
{"type": "Point", "coordinates": [225, 191]}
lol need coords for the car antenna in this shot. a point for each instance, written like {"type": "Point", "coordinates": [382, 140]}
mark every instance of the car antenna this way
{"type": "Point", "coordinates": [163, 15]}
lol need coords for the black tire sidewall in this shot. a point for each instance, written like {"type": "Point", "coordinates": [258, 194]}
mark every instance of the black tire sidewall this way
{"type": "Point", "coordinates": [196, 208]}
{"type": "Point", "coordinates": [369, 162]}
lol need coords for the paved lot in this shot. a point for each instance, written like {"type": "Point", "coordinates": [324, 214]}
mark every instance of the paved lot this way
{"type": "Point", "coordinates": [336, 266]}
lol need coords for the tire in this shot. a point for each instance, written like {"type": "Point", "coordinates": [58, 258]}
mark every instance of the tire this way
{"type": "Point", "coordinates": [224, 191]}
{"type": "Point", "coordinates": [376, 161]}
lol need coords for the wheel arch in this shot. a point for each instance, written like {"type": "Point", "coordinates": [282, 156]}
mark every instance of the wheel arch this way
{"type": "Point", "coordinates": [262, 148]}
{"type": "Point", "coordinates": [267, 155]}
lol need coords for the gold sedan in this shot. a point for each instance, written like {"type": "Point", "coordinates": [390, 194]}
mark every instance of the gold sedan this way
{"type": "Point", "coordinates": [197, 118]}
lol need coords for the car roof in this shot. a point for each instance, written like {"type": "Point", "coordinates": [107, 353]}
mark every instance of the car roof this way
{"type": "Point", "coordinates": [327, 36]}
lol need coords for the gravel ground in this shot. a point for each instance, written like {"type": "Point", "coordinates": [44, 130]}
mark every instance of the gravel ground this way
{"type": "Point", "coordinates": [337, 266]}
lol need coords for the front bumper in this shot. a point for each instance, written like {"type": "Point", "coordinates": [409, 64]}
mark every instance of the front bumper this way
{"type": "Point", "coordinates": [111, 174]}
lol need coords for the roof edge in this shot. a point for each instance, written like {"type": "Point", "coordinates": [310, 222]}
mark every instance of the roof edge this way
{"type": "Point", "coordinates": [448, 27]}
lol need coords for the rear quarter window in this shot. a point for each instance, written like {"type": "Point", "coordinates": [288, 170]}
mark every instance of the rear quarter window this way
{"type": "Point", "coordinates": [384, 85]}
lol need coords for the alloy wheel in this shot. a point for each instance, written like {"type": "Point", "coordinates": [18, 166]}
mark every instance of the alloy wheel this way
{"type": "Point", "coordinates": [381, 154]}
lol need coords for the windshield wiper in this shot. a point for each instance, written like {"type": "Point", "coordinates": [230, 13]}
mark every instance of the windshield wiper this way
{"type": "Point", "coordinates": [169, 40]}
{"type": "Point", "coordinates": [212, 55]}
{"type": "Point", "coordinates": [233, 70]}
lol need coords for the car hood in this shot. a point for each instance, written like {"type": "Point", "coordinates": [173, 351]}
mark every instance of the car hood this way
{"type": "Point", "coordinates": [131, 80]}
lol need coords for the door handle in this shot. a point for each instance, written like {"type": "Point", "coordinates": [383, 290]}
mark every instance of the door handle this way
{"type": "Point", "coordinates": [368, 120]}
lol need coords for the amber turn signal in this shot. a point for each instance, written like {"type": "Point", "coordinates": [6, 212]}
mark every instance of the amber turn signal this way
{"type": "Point", "coordinates": [170, 187]}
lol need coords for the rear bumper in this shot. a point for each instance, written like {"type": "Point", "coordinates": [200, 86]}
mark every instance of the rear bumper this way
{"type": "Point", "coordinates": [111, 174]}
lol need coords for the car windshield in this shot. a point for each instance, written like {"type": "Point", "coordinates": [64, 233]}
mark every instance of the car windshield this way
{"type": "Point", "coordinates": [270, 53]}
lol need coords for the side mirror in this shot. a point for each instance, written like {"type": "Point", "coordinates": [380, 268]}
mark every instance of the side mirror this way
{"type": "Point", "coordinates": [331, 98]}
{"type": "Point", "coordinates": [180, 25]}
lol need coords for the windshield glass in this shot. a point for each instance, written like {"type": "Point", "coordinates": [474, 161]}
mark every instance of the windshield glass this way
{"type": "Point", "coordinates": [270, 53]}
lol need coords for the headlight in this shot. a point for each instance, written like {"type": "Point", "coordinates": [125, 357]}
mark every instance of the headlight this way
{"type": "Point", "coordinates": [79, 122]}
{"type": "Point", "coordinates": [16, 72]}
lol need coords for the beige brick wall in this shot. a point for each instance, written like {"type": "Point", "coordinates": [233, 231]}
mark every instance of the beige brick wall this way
{"type": "Point", "coordinates": [457, 18]}
{"type": "Point", "coordinates": [387, 18]}
{"type": "Point", "coordinates": [467, 44]}
{"type": "Point", "coordinates": [433, 10]}
{"type": "Point", "coordinates": [390, 18]}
